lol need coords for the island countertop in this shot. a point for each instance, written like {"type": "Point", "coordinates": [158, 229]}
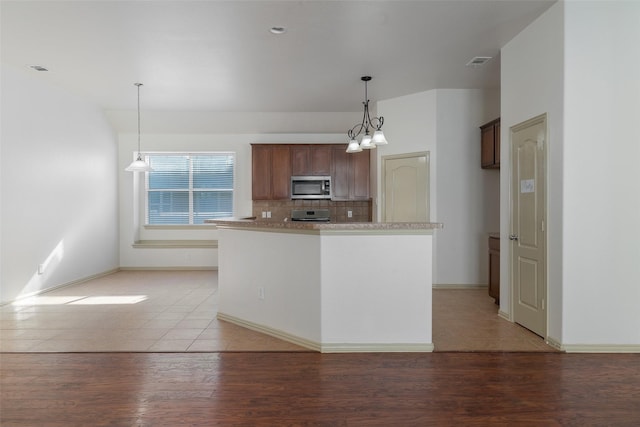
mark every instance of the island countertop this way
{"type": "Point", "coordinates": [323, 226]}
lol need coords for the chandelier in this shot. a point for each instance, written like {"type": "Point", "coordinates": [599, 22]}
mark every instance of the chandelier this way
{"type": "Point", "coordinates": [138, 165]}
{"type": "Point", "coordinates": [367, 141]}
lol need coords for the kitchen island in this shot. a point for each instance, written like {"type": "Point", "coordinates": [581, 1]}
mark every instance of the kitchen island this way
{"type": "Point", "coordinates": [330, 287]}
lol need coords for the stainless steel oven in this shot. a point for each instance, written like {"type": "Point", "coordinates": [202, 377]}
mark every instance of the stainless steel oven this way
{"type": "Point", "coordinates": [311, 187]}
{"type": "Point", "coordinates": [310, 215]}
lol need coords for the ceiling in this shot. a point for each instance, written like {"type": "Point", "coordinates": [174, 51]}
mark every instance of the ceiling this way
{"type": "Point", "coordinates": [220, 56]}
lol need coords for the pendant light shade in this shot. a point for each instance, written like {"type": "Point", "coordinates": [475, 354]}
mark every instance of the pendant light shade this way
{"type": "Point", "coordinates": [354, 147]}
{"type": "Point", "coordinates": [138, 165]}
{"type": "Point", "coordinates": [367, 141]}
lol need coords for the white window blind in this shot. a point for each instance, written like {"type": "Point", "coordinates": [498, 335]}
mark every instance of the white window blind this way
{"type": "Point", "coordinates": [187, 188]}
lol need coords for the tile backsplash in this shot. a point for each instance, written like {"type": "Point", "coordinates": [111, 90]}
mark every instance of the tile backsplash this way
{"type": "Point", "coordinates": [338, 210]}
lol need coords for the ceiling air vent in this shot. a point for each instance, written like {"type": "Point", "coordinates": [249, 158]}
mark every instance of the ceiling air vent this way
{"type": "Point", "coordinates": [478, 61]}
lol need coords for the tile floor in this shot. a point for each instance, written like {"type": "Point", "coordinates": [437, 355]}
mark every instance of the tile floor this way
{"type": "Point", "coordinates": [467, 320]}
{"type": "Point", "coordinates": [175, 311]}
{"type": "Point", "coordinates": [154, 311]}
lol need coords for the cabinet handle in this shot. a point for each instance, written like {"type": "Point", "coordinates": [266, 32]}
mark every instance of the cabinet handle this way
{"type": "Point", "coordinates": [513, 237]}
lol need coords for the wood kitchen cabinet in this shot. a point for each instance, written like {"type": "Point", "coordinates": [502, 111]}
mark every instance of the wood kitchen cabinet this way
{"type": "Point", "coordinates": [273, 165]}
{"type": "Point", "coordinates": [271, 172]}
{"type": "Point", "coordinates": [490, 140]}
{"type": "Point", "coordinates": [311, 160]}
{"type": "Point", "coordinates": [350, 174]}
{"type": "Point", "coordinates": [494, 268]}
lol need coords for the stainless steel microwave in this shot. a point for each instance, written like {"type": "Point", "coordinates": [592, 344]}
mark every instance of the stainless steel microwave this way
{"type": "Point", "coordinates": [310, 187]}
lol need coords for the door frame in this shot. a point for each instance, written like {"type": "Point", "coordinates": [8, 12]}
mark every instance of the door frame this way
{"type": "Point", "coordinates": [383, 192]}
{"type": "Point", "coordinates": [542, 118]}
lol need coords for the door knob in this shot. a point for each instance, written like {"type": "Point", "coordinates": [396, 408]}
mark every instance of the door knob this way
{"type": "Point", "coordinates": [513, 237]}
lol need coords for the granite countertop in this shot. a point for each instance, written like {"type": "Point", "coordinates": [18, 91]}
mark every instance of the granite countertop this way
{"type": "Point", "coordinates": [338, 226]}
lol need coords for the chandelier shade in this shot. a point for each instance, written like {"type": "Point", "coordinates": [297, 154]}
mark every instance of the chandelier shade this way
{"type": "Point", "coordinates": [367, 141]}
{"type": "Point", "coordinates": [138, 165]}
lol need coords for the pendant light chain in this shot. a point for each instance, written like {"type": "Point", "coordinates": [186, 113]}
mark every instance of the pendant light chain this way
{"type": "Point", "coordinates": [138, 164]}
{"type": "Point", "coordinates": [138, 84]}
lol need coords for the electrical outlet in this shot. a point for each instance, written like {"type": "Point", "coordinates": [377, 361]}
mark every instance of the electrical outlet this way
{"type": "Point", "coordinates": [268, 214]}
{"type": "Point", "coordinates": [261, 292]}
{"type": "Point", "coordinates": [264, 214]}
{"type": "Point", "coordinates": [349, 214]}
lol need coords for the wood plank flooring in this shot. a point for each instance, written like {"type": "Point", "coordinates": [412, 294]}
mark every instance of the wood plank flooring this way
{"type": "Point", "coordinates": [390, 389]}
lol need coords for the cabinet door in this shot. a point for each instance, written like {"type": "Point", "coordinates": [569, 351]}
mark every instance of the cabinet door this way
{"type": "Point", "coordinates": [280, 172]}
{"type": "Point", "coordinates": [261, 172]}
{"type": "Point", "coordinates": [496, 144]}
{"type": "Point", "coordinates": [300, 160]}
{"type": "Point", "coordinates": [494, 269]}
{"type": "Point", "coordinates": [360, 180]}
{"type": "Point", "coordinates": [487, 134]}
{"type": "Point", "coordinates": [340, 173]}
{"type": "Point", "coordinates": [320, 159]}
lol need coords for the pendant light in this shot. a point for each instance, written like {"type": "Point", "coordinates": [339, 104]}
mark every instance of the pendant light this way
{"type": "Point", "coordinates": [139, 165]}
{"type": "Point", "coordinates": [367, 141]}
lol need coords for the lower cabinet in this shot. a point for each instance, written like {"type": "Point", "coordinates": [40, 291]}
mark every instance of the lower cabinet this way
{"type": "Point", "coordinates": [494, 268]}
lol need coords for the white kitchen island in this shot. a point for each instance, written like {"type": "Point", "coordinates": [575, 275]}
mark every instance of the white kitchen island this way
{"type": "Point", "coordinates": [329, 287]}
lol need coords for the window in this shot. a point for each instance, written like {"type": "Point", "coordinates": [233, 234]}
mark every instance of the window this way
{"type": "Point", "coordinates": [187, 188]}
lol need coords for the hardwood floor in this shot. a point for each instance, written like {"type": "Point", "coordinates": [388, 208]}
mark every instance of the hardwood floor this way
{"type": "Point", "coordinates": [387, 389]}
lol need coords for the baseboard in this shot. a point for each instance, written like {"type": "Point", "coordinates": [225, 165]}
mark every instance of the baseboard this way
{"type": "Point", "coordinates": [177, 268]}
{"type": "Point", "coordinates": [63, 285]}
{"type": "Point", "coordinates": [332, 347]}
{"type": "Point", "coordinates": [377, 348]}
{"type": "Point", "coordinates": [276, 333]}
{"type": "Point", "coordinates": [457, 286]}
{"type": "Point", "coordinates": [552, 342]}
{"type": "Point", "coordinates": [601, 348]}
{"type": "Point", "coordinates": [504, 315]}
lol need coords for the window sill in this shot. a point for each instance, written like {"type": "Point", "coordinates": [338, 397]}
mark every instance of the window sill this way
{"type": "Point", "coordinates": [175, 244]}
{"type": "Point", "coordinates": [180, 227]}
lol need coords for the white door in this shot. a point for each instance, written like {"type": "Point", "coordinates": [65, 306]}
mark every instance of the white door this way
{"type": "Point", "coordinates": [405, 188]}
{"type": "Point", "coordinates": [527, 236]}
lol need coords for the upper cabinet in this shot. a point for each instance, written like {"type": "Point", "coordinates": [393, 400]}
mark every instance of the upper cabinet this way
{"type": "Point", "coordinates": [490, 140]}
{"type": "Point", "coordinates": [310, 160]}
{"type": "Point", "coordinates": [274, 164]}
{"type": "Point", "coordinates": [350, 174]}
{"type": "Point", "coordinates": [270, 172]}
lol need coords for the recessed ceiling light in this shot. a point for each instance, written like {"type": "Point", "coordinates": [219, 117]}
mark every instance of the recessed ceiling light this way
{"type": "Point", "coordinates": [38, 68]}
{"type": "Point", "coordinates": [278, 30]}
{"type": "Point", "coordinates": [478, 61]}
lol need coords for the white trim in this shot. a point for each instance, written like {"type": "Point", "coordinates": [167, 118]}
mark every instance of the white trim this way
{"type": "Point", "coordinates": [552, 342]}
{"type": "Point", "coordinates": [332, 347]}
{"type": "Point", "coordinates": [73, 282]}
{"type": "Point", "coordinates": [173, 244]}
{"type": "Point", "coordinates": [459, 286]}
{"type": "Point", "coordinates": [182, 268]}
{"type": "Point", "coordinates": [378, 348]}
{"type": "Point", "coordinates": [505, 315]}
{"type": "Point", "coordinates": [601, 348]}
{"type": "Point", "coordinates": [302, 342]}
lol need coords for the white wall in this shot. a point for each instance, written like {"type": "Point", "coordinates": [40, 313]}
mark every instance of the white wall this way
{"type": "Point", "coordinates": [59, 187]}
{"type": "Point", "coordinates": [574, 64]}
{"type": "Point", "coordinates": [463, 196]}
{"type": "Point", "coordinates": [132, 221]}
{"type": "Point", "coordinates": [532, 84]}
{"type": "Point", "coordinates": [601, 277]}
